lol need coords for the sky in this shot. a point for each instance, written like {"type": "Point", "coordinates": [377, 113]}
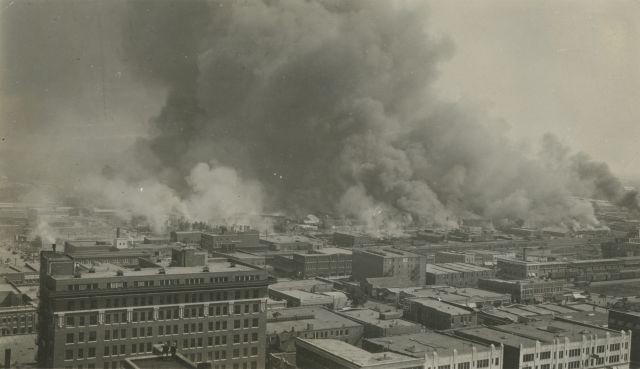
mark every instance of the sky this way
{"type": "Point", "coordinates": [571, 68]}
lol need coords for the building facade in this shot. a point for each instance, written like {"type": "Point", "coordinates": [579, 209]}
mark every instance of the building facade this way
{"type": "Point", "coordinates": [525, 290]}
{"type": "Point", "coordinates": [456, 274]}
{"type": "Point", "coordinates": [389, 262]}
{"type": "Point", "coordinates": [439, 315]}
{"type": "Point", "coordinates": [213, 313]}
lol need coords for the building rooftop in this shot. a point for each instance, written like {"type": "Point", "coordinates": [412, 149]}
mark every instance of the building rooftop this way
{"type": "Point", "coordinates": [453, 294]}
{"type": "Point", "coordinates": [446, 268]}
{"type": "Point", "coordinates": [306, 318]}
{"type": "Point", "coordinates": [334, 250]}
{"type": "Point", "coordinates": [372, 317]}
{"type": "Point", "coordinates": [548, 330]}
{"type": "Point", "coordinates": [159, 362]}
{"type": "Point", "coordinates": [389, 252]}
{"type": "Point", "coordinates": [419, 344]}
{"type": "Point", "coordinates": [308, 298]}
{"type": "Point", "coordinates": [299, 284]}
{"type": "Point", "coordinates": [281, 238]}
{"type": "Point", "coordinates": [499, 337]}
{"type": "Point", "coordinates": [105, 270]}
{"type": "Point", "coordinates": [441, 306]}
{"type": "Point", "coordinates": [355, 354]}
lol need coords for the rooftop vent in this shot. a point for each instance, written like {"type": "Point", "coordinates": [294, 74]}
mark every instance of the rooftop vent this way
{"type": "Point", "coordinates": [120, 273]}
{"type": "Point", "coordinates": [232, 264]}
{"type": "Point", "coordinates": [162, 271]}
{"type": "Point", "coordinates": [76, 275]}
{"type": "Point", "coordinates": [205, 269]}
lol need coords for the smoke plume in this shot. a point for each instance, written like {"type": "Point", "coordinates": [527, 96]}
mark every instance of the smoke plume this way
{"type": "Point", "coordinates": [321, 107]}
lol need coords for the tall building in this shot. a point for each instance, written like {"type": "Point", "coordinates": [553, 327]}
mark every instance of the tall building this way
{"type": "Point", "coordinates": [389, 262]}
{"type": "Point", "coordinates": [213, 311]}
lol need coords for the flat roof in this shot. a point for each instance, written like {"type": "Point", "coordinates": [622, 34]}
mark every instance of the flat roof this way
{"type": "Point", "coordinates": [355, 354]}
{"type": "Point", "coordinates": [305, 296]}
{"type": "Point", "coordinates": [441, 306]}
{"type": "Point", "coordinates": [159, 362]}
{"type": "Point", "coordinates": [447, 268]}
{"type": "Point", "coordinates": [419, 344]}
{"type": "Point", "coordinates": [106, 270]}
{"type": "Point", "coordinates": [283, 285]}
{"type": "Point", "coordinates": [334, 250]}
{"type": "Point", "coordinates": [388, 252]}
{"type": "Point", "coordinates": [372, 317]}
{"type": "Point", "coordinates": [498, 337]}
{"type": "Point", "coordinates": [299, 318]}
{"type": "Point", "coordinates": [282, 238]}
{"type": "Point", "coordinates": [548, 330]}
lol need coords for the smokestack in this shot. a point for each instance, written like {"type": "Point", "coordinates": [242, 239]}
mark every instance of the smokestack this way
{"type": "Point", "coordinates": [53, 246]}
{"type": "Point", "coordinates": [7, 358]}
{"type": "Point", "coordinates": [524, 254]}
{"type": "Point", "coordinates": [118, 232]}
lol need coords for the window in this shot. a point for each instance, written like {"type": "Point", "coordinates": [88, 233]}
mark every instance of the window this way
{"type": "Point", "coordinates": [482, 363]}
{"type": "Point", "coordinates": [574, 353]}
{"type": "Point", "coordinates": [68, 355]}
{"type": "Point", "coordinates": [545, 355]}
{"type": "Point", "coordinates": [92, 336]}
{"type": "Point", "coordinates": [92, 352]}
{"type": "Point", "coordinates": [255, 322]}
{"type": "Point", "coordinates": [236, 324]}
{"type": "Point", "coordinates": [466, 365]}
{"type": "Point", "coordinates": [527, 357]}
{"type": "Point", "coordinates": [70, 338]}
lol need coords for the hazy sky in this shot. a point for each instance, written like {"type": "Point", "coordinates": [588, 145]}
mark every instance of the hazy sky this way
{"type": "Point", "coordinates": [567, 67]}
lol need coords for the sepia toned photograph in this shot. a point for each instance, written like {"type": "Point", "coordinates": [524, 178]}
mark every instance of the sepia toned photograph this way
{"type": "Point", "coordinates": [319, 184]}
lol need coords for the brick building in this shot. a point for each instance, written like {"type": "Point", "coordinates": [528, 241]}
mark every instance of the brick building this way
{"type": "Point", "coordinates": [525, 290]}
{"type": "Point", "coordinates": [439, 315]}
{"type": "Point", "coordinates": [456, 274]}
{"type": "Point", "coordinates": [213, 313]}
{"type": "Point", "coordinates": [389, 262]}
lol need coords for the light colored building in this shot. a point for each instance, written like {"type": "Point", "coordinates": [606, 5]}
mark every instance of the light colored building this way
{"type": "Point", "coordinates": [377, 324]}
{"type": "Point", "coordinates": [439, 350]}
{"type": "Point", "coordinates": [335, 354]}
{"type": "Point", "coordinates": [549, 343]}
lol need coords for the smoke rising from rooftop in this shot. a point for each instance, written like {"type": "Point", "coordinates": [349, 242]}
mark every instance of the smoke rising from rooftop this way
{"type": "Point", "coordinates": [323, 107]}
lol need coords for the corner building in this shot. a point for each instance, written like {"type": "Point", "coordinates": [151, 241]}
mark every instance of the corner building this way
{"type": "Point", "coordinates": [213, 313]}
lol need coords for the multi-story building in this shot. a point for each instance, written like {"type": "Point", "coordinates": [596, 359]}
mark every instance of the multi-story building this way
{"type": "Point", "coordinates": [627, 246]}
{"type": "Point", "coordinates": [525, 290]}
{"type": "Point", "coordinates": [379, 324]}
{"type": "Point", "coordinates": [244, 257]}
{"type": "Point", "coordinates": [284, 325]}
{"type": "Point", "coordinates": [576, 270]}
{"type": "Point", "coordinates": [186, 237]}
{"type": "Point", "coordinates": [439, 350]}
{"type": "Point", "coordinates": [213, 313]}
{"type": "Point", "coordinates": [335, 354]}
{"type": "Point", "coordinates": [389, 262]}
{"type": "Point", "coordinates": [325, 262]}
{"type": "Point", "coordinates": [456, 274]}
{"type": "Point", "coordinates": [350, 239]}
{"type": "Point", "coordinates": [290, 243]}
{"type": "Point", "coordinates": [621, 320]}
{"type": "Point", "coordinates": [454, 257]}
{"type": "Point", "coordinates": [439, 315]}
{"type": "Point", "coordinates": [553, 343]}
{"type": "Point", "coordinates": [230, 240]}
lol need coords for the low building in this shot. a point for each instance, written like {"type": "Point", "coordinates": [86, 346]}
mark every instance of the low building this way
{"type": "Point", "coordinates": [454, 257]}
{"type": "Point", "coordinates": [334, 354]}
{"type": "Point", "coordinates": [525, 290]}
{"type": "Point", "coordinates": [17, 314]}
{"type": "Point", "coordinates": [439, 350]}
{"type": "Point", "coordinates": [351, 239]}
{"type": "Point", "coordinates": [296, 298]}
{"type": "Point", "coordinates": [284, 325]}
{"type": "Point", "coordinates": [377, 324]}
{"type": "Point", "coordinates": [576, 270]}
{"type": "Point", "coordinates": [325, 262]}
{"type": "Point", "coordinates": [186, 237]}
{"type": "Point", "coordinates": [470, 297]}
{"type": "Point", "coordinates": [628, 320]}
{"type": "Point", "coordinates": [230, 240]}
{"type": "Point", "coordinates": [290, 243]}
{"type": "Point", "coordinates": [309, 285]}
{"type": "Point", "coordinates": [550, 342]}
{"type": "Point", "coordinates": [243, 257]}
{"type": "Point", "coordinates": [456, 274]}
{"type": "Point", "coordinates": [389, 262]}
{"type": "Point", "coordinates": [439, 315]}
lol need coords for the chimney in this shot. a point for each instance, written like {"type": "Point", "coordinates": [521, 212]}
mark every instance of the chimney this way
{"type": "Point", "coordinates": [53, 246]}
{"type": "Point", "coordinates": [118, 232]}
{"type": "Point", "coordinates": [524, 254]}
{"type": "Point", "coordinates": [7, 358]}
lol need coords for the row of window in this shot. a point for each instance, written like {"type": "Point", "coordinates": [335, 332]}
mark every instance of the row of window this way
{"type": "Point", "coordinates": [573, 352]}
{"type": "Point", "coordinates": [162, 282]}
{"type": "Point", "coordinates": [484, 363]}
{"type": "Point", "coordinates": [164, 299]}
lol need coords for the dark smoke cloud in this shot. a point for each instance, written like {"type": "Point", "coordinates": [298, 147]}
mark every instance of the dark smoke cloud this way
{"type": "Point", "coordinates": [324, 106]}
